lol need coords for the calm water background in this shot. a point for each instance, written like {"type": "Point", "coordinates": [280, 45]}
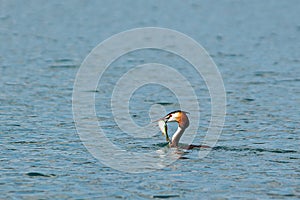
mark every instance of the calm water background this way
{"type": "Point", "coordinates": [255, 44]}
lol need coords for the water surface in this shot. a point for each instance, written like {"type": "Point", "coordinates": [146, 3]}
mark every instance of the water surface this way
{"type": "Point", "coordinates": [256, 47]}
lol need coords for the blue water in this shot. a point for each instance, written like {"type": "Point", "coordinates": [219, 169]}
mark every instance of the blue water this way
{"type": "Point", "coordinates": [255, 45]}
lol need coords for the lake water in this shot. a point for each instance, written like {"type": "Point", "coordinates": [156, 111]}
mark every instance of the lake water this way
{"type": "Point", "coordinates": [255, 45]}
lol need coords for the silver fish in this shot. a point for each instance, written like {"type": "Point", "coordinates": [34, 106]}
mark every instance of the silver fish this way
{"type": "Point", "coordinates": [164, 129]}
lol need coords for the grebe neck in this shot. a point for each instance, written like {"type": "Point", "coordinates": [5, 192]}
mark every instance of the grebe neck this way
{"type": "Point", "coordinates": [176, 137]}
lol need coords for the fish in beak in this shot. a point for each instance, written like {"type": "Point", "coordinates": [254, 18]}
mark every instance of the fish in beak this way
{"type": "Point", "coordinates": [162, 123]}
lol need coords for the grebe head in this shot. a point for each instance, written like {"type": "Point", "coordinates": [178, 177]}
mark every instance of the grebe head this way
{"type": "Point", "coordinates": [178, 116]}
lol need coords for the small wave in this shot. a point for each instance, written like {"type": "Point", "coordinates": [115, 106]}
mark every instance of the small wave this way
{"type": "Point", "coordinates": [32, 174]}
{"type": "Point", "coordinates": [165, 103]}
{"type": "Point", "coordinates": [165, 196]}
{"type": "Point", "coordinates": [253, 149]}
{"type": "Point", "coordinates": [58, 66]}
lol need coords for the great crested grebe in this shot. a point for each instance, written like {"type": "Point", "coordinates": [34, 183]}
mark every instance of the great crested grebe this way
{"type": "Point", "coordinates": [182, 119]}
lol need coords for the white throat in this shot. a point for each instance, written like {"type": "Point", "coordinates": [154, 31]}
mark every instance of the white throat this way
{"type": "Point", "coordinates": [176, 137]}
